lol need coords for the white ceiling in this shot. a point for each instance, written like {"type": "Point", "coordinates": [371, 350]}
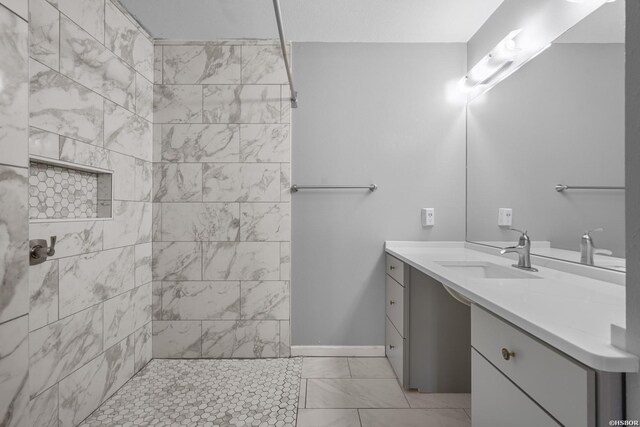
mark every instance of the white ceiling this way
{"type": "Point", "coordinates": [409, 21]}
{"type": "Point", "coordinates": [605, 25]}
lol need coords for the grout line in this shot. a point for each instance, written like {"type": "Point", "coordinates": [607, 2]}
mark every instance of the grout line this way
{"type": "Point", "coordinates": [306, 390]}
{"type": "Point", "coordinates": [15, 318]}
{"type": "Point", "coordinates": [16, 167]}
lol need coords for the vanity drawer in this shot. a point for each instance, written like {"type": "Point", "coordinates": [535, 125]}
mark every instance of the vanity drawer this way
{"type": "Point", "coordinates": [565, 388]}
{"type": "Point", "coordinates": [496, 402]}
{"type": "Point", "coordinates": [395, 269]}
{"type": "Point", "coordinates": [395, 304]}
{"type": "Point", "coordinates": [395, 349]}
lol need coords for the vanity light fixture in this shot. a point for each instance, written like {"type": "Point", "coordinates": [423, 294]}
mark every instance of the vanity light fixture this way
{"type": "Point", "coordinates": [502, 61]}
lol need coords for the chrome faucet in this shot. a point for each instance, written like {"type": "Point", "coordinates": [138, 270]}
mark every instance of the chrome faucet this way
{"type": "Point", "coordinates": [523, 250]}
{"type": "Point", "coordinates": [588, 249]}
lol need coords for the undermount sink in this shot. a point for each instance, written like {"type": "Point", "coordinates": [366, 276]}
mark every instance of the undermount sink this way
{"type": "Point", "coordinates": [486, 270]}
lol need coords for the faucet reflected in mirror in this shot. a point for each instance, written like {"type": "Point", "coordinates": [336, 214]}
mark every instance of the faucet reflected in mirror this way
{"type": "Point", "coordinates": [523, 250]}
{"type": "Point", "coordinates": [588, 249]}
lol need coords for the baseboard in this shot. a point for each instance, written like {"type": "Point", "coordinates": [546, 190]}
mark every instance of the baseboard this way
{"type": "Point", "coordinates": [338, 350]}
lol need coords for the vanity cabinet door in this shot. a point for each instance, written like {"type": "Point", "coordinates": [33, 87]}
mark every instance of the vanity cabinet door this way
{"type": "Point", "coordinates": [496, 402]}
{"type": "Point", "coordinates": [395, 304]}
{"type": "Point", "coordinates": [564, 387]}
{"type": "Point", "coordinates": [395, 269]}
{"type": "Point", "coordinates": [395, 350]}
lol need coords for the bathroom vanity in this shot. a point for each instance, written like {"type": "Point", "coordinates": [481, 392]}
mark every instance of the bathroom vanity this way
{"type": "Point", "coordinates": [540, 341]}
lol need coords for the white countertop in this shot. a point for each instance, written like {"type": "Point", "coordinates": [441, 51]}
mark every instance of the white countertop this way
{"type": "Point", "coordinates": [569, 312]}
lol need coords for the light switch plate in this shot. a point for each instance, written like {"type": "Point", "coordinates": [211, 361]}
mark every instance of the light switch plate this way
{"type": "Point", "coordinates": [428, 216]}
{"type": "Point", "coordinates": [505, 217]}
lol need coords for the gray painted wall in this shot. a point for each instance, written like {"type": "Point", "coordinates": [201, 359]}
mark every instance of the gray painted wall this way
{"type": "Point", "coordinates": [633, 200]}
{"type": "Point", "coordinates": [559, 119]}
{"type": "Point", "coordinates": [374, 113]}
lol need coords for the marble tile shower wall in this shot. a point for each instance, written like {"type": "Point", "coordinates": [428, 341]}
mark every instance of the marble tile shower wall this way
{"type": "Point", "coordinates": [222, 223]}
{"type": "Point", "coordinates": [14, 226]}
{"type": "Point", "coordinates": [90, 103]}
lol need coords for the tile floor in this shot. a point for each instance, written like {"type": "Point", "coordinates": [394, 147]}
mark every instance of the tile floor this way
{"type": "Point", "coordinates": [257, 392]}
{"type": "Point", "coordinates": [363, 392]}
{"type": "Point", "coordinates": [322, 391]}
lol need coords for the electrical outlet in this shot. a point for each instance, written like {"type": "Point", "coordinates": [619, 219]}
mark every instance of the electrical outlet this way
{"type": "Point", "coordinates": [428, 216]}
{"type": "Point", "coordinates": [505, 217]}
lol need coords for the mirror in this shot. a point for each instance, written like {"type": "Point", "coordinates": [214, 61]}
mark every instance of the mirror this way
{"type": "Point", "coordinates": [558, 120]}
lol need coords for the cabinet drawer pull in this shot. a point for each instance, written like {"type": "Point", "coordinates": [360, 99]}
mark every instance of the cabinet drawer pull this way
{"type": "Point", "coordinates": [506, 354]}
{"type": "Point", "coordinates": [392, 302]}
{"type": "Point", "coordinates": [392, 267]}
{"type": "Point", "coordinates": [391, 347]}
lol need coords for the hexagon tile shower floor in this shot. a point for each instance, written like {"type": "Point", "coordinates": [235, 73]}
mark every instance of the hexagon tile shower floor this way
{"type": "Point", "coordinates": [256, 392]}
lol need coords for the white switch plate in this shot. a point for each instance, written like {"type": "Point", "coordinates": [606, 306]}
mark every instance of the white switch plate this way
{"type": "Point", "coordinates": [505, 217]}
{"type": "Point", "coordinates": [428, 216]}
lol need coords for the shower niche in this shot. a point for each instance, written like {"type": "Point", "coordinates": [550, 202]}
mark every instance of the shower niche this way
{"type": "Point", "coordinates": [61, 191]}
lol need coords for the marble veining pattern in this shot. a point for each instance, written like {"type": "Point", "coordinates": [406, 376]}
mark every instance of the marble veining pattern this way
{"type": "Point", "coordinates": [60, 348]}
{"type": "Point", "coordinates": [207, 64]}
{"type": "Point", "coordinates": [177, 103]}
{"type": "Point", "coordinates": [265, 300]}
{"type": "Point", "coordinates": [206, 393]}
{"type": "Point", "coordinates": [131, 224]}
{"type": "Point", "coordinates": [124, 175]}
{"type": "Point", "coordinates": [222, 103]}
{"type": "Point", "coordinates": [43, 143]}
{"type": "Point", "coordinates": [244, 339]}
{"type": "Point", "coordinates": [60, 105]}
{"type": "Point", "coordinates": [263, 65]}
{"type": "Point", "coordinates": [265, 143]}
{"type": "Point", "coordinates": [43, 294]}
{"type": "Point", "coordinates": [90, 103]}
{"type": "Point", "coordinates": [242, 104]}
{"type": "Point", "coordinates": [13, 102]}
{"type": "Point", "coordinates": [143, 180]}
{"type": "Point", "coordinates": [43, 409]}
{"type": "Point", "coordinates": [14, 231]}
{"type": "Point", "coordinates": [241, 182]}
{"type": "Point", "coordinates": [200, 143]}
{"type": "Point", "coordinates": [74, 237]}
{"type": "Point", "coordinates": [144, 97]}
{"type": "Point", "coordinates": [265, 222]}
{"type": "Point", "coordinates": [126, 133]}
{"type": "Point", "coordinates": [85, 389]}
{"type": "Point", "coordinates": [143, 260]}
{"type": "Point", "coordinates": [200, 222]}
{"type": "Point", "coordinates": [142, 347]}
{"type": "Point", "coordinates": [126, 313]}
{"type": "Point", "coordinates": [241, 260]}
{"type": "Point", "coordinates": [85, 60]}
{"type": "Point", "coordinates": [177, 261]}
{"type": "Point", "coordinates": [88, 279]}
{"type": "Point", "coordinates": [85, 154]}
{"type": "Point", "coordinates": [89, 14]}
{"type": "Point", "coordinates": [221, 214]}
{"type": "Point", "coordinates": [200, 300]}
{"type": "Point", "coordinates": [285, 260]}
{"type": "Point", "coordinates": [173, 182]}
{"type": "Point", "coordinates": [124, 39]}
{"type": "Point", "coordinates": [177, 339]}
{"type": "Point", "coordinates": [14, 371]}
{"type": "Point", "coordinates": [44, 33]}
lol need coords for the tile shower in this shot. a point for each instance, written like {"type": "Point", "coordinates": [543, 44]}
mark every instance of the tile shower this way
{"type": "Point", "coordinates": [222, 226]}
{"type": "Point", "coordinates": [194, 262]}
